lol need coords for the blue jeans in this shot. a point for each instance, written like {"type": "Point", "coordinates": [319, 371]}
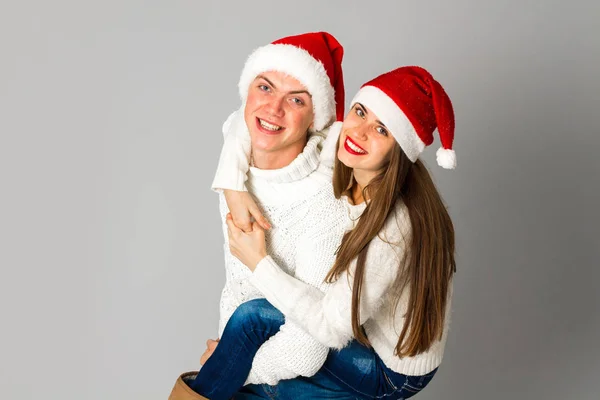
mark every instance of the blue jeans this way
{"type": "Point", "coordinates": [354, 372]}
{"type": "Point", "coordinates": [225, 372]}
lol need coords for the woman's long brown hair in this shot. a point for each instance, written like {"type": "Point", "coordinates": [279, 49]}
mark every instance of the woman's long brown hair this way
{"type": "Point", "coordinates": [428, 264]}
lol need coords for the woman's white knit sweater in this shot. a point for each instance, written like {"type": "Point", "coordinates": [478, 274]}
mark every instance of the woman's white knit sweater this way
{"type": "Point", "coordinates": [327, 316]}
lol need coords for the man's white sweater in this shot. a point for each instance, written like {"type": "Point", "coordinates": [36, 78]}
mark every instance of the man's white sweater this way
{"type": "Point", "coordinates": [308, 223]}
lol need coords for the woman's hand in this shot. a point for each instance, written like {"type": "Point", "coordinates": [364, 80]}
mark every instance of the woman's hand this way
{"type": "Point", "coordinates": [248, 247]}
{"type": "Point", "coordinates": [243, 208]}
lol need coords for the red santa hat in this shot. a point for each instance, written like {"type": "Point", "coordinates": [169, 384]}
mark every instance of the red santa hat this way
{"type": "Point", "coordinates": [412, 105]}
{"type": "Point", "coordinates": [315, 59]}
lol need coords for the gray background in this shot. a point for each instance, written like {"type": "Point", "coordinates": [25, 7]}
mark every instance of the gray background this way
{"type": "Point", "coordinates": [111, 249]}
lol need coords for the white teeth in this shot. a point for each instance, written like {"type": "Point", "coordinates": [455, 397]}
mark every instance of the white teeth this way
{"type": "Point", "coordinates": [355, 147]}
{"type": "Point", "coordinates": [268, 126]}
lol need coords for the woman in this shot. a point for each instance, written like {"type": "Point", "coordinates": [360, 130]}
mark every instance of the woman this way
{"type": "Point", "coordinates": [386, 313]}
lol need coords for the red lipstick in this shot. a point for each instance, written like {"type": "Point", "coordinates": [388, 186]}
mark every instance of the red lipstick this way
{"type": "Point", "coordinates": [350, 150]}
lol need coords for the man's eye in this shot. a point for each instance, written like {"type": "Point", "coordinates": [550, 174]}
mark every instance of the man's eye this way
{"type": "Point", "coordinates": [264, 88]}
{"type": "Point", "coordinates": [298, 101]}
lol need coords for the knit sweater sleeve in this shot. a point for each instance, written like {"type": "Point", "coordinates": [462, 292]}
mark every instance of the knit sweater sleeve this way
{"type": "Point", "coordinates": [329, 149]}
{"type": "Point", "coordinates": [235, 155]}
{"type": "Point", "coordinates": [293, 352]}
{"type": "Point", "coordinates": [290, 353]}
{"type": "Point", "coordinates": [227, 306]}
{"type": "Point", "coordinates": [327, 316]}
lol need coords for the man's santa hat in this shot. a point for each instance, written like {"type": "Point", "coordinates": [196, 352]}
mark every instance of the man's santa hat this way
{"type": "Point", "coordinates": [314, 59]}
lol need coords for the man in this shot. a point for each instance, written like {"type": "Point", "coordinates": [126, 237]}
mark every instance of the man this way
{"type": "Point", "coordinates": [289, 88]}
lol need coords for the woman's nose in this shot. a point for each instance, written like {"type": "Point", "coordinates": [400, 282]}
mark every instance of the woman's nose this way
{"type": "Point", "coordinates": [359, 133]}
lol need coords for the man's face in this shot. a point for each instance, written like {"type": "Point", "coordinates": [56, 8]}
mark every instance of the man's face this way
{"type": "Point", "coordinates": [278, 113]}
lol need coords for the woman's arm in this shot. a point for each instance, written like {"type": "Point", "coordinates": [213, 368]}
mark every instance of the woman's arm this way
{"type": "Point", "coordinates": [235, 155]}
{"type": "Point", "coordinates": [232, 170]}
{"type": "Point", "coordinates": [290, 353]}
{"type": "Point", "coordinates": [234, 161]}
{"type": "Point", "coordinates": [326, 316]}
{"type": "Point", "coordinates": [330, 148]}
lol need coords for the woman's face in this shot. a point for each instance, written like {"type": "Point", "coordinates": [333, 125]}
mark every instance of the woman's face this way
{"type": "Point", "coordinates": [365, 142]}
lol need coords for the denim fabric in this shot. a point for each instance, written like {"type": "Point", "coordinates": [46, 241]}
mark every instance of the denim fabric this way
{"type": "Point", "coordinates": [354, 372]}
{"type": "Point", "coordinates": [316, 387]}
{"type": "Point", "coordinates": [226, 370]}
{"type": "Point", "coordinates": [360, 370]}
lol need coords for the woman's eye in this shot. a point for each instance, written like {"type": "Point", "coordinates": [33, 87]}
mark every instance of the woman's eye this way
{"type": "Point", "coordinates": [264, 88]}
{"type": "Point", "coordinates": [297, 101]}
{"type": "Point", "coordinates": [359, 112]}
{"type": "Point", "coordinates": [382, 130]}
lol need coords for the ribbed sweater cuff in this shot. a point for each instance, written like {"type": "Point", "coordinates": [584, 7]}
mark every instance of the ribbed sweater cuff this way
{"type": "Point", "coordinates": [229, 178]}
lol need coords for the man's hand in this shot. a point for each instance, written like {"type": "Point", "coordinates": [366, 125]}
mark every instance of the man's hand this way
{"type": "Point", "coordinates": [211, 345]}
{"type": "Point", "coordinates": [243, 208]}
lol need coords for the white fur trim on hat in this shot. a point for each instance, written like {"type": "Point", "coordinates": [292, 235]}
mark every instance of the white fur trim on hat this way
{"type": "Point", "coordinates": [301, 65]}
{"type": "Point", "coordinates": [393, 117]}
{"type": "Point", "coordinates": [446, 158]}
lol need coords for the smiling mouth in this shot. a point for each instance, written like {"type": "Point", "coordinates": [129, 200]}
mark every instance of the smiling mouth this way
{"type": "Point", "coordinates": [353, 148]}
{"type": "Point", "coordinates": [269, 126]}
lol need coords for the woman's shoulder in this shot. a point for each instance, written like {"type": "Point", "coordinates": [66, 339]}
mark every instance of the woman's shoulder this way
{"type": "Point", "coordinates": [388, 248]}
{"type": "Point", "coordinates": [397, 224]}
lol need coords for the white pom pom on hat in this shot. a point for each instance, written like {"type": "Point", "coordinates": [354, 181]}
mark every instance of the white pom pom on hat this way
{"type": "Point", "coordinates": [446, 158]}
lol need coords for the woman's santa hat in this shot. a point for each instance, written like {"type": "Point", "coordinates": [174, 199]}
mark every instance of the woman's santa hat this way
{"type": "Point", "coordinates": [412, 105]}
{"type": "Point", "coordinates": [314, 59]}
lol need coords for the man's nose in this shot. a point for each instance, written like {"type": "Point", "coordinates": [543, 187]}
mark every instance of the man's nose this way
{"type": "Point", "coordinates": [275, 106]}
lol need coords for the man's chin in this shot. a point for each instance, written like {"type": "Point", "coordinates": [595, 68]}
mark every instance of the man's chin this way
{"type": "Point", "coordinates": [263, 146]}
{"type": "Point", "coordinates": [263, 142]}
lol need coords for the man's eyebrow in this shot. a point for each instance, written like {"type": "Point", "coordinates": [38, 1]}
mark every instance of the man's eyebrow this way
{"type": "Point", "coordinates": [300, 91]}
{"type": "Point", "coordinates": [268, 81]}
{"type": "Point", "coordinates": [275, 87]}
